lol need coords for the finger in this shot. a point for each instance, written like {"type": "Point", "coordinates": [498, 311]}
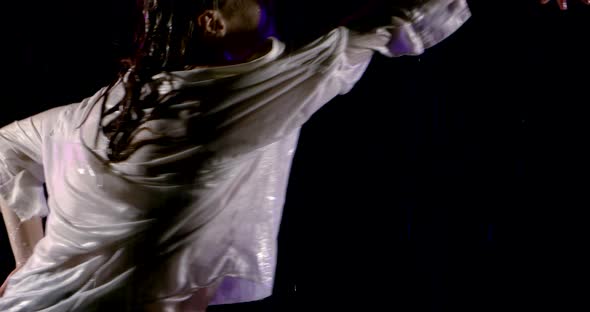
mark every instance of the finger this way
{"type": "Point", "coordinates": [586, 2]}
{"type": "Point", "coordinates": [547, 1]}
{"type": "Point", "coordinates": [562, 4]}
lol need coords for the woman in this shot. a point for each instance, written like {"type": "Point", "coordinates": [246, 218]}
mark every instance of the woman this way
{"type": "Point", "coordinates": [165, 190]}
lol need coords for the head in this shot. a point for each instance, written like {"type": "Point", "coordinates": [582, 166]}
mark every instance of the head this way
{"type": "Point", "coordinates": [177, 33]}
{"type": "Point", "coordinates": [229, 31]}
{"type": "Point", "coordinates": [229, 18]}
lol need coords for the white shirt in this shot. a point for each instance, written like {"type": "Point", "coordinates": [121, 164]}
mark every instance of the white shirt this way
{"type": "Point", "coordinates": [173, 219]}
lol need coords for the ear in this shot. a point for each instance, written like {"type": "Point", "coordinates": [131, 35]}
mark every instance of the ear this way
{"type": "Point", "coordinates": [212, 24]}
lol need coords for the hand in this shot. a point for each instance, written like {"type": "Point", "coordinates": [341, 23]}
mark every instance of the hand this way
{"type": "Point", "coordinates": [563, 3]}
{"type": "Point", "coordinates": [3, 287]}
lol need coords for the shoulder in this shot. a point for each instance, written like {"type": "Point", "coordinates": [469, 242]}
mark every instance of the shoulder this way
{"type": "Point", "coordinates": [321, 51]}
{"type": "Point", "coordinates": [72, 116]}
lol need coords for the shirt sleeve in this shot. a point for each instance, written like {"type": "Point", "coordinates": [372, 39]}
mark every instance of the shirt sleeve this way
{"type": "Point", "coordinates": [21, 165]}
{"type": "Point", "coordinates": [266, 105]}
{"type": "Point", "coordinates": [414, 28]}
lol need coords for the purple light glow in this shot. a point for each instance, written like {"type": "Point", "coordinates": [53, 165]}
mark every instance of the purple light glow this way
{"type": "Point", "coordinates": [266, 26]}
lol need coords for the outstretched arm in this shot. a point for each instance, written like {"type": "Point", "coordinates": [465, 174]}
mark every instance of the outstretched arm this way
{"type": "Point", "coordinates": [408, 27]}
{"type": "Point", "coordinates": [378, 13]}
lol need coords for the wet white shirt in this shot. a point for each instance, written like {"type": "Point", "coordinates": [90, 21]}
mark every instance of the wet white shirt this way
{"type": "Point", "coordinates": [173, 219]}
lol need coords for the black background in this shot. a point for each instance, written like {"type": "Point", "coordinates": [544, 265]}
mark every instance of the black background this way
{"type": "Point", "coordinates": [453, 181]}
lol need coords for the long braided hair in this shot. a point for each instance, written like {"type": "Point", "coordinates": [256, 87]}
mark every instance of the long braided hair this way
{"type": "Point", "coordinates": [164, 40]}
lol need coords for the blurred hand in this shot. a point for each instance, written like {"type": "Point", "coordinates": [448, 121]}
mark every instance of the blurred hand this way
{"type": "Point", "coordinates": [3, 287]}
{"type": "Point", "coordinates": [563, 3]}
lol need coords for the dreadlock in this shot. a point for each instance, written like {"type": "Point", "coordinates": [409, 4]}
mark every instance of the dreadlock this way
{"type": "Point", "coordinates": [164, 41]}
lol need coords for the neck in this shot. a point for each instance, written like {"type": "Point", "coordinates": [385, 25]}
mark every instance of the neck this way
{"type": "Point", "coordinates": [245, 52]}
